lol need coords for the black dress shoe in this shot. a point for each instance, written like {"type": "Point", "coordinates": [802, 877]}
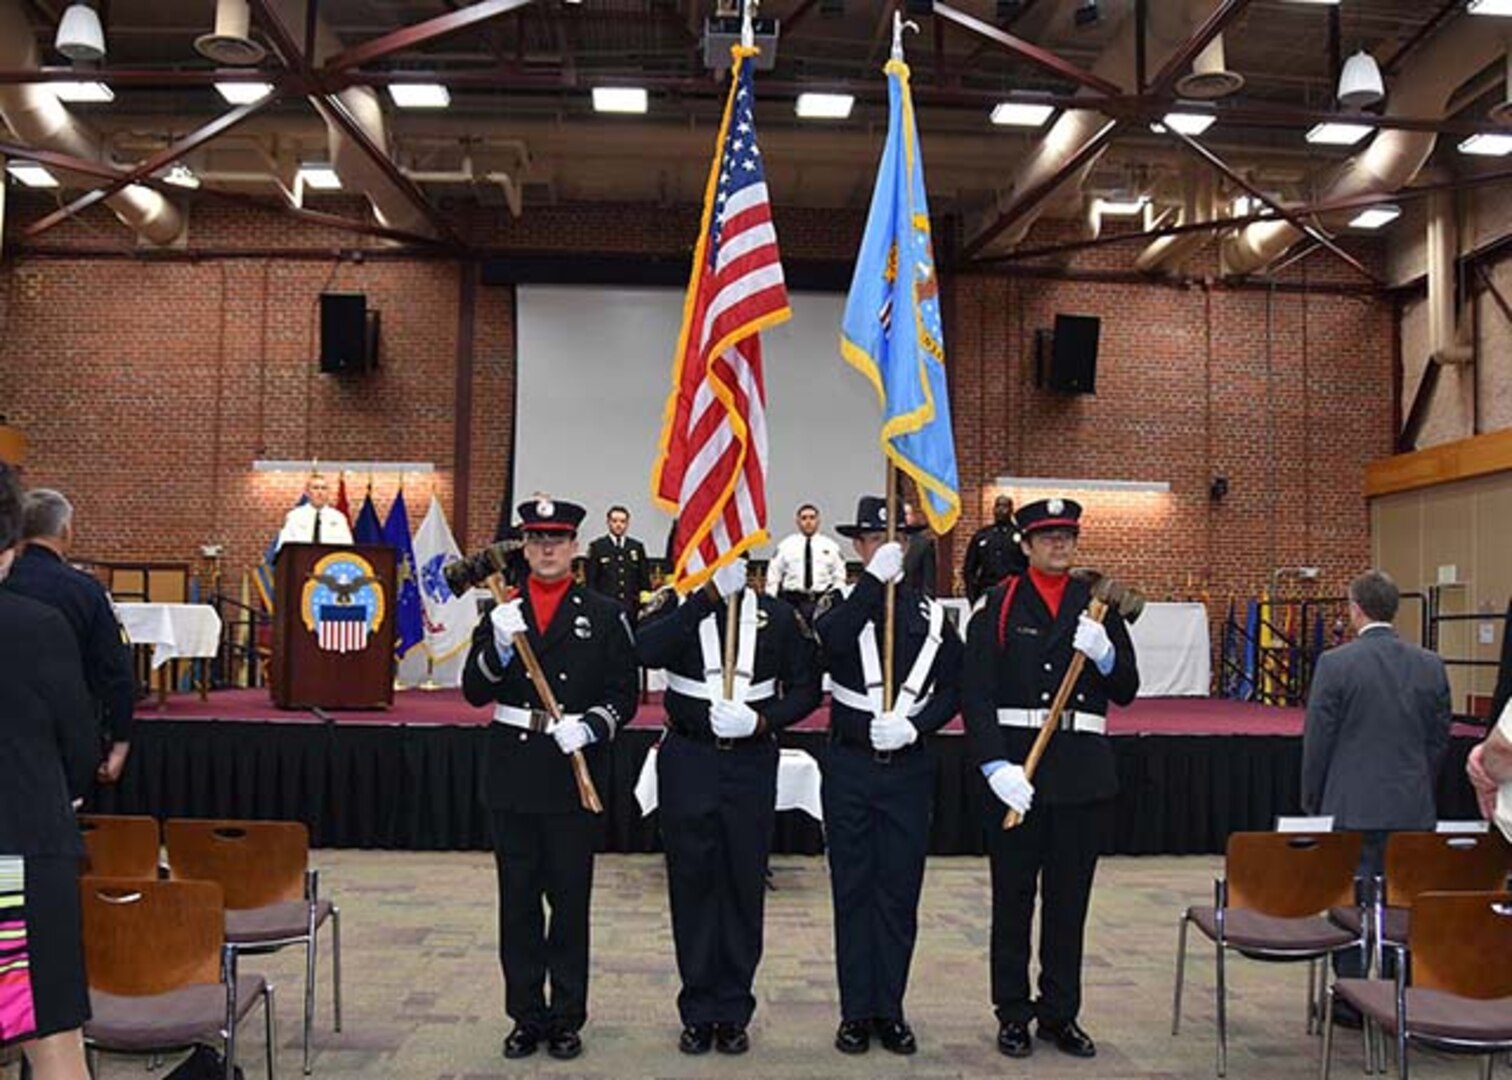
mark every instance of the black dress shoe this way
{"type": "Point", "coordinates": [696, 1038]}
{"type": "Point", "coordinates": [853, 1037]}
{"type": "Point", "coordinates": [564, 1045]}
{"type": "Point", "coordinates": [1069, 1038]}
{"type": "Point", "coordinates": [897, 1037]}
{"type": "Point", "coordinates": [1013, 1039]}
{"type": "Point", "coordinates": [522, 1042]}
{"type": "Point", "coordinates": [731, 1038]}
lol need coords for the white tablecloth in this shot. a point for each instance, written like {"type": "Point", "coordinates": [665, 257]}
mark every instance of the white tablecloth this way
{"type": "Point", "coordinates": [173, 630]}
{"type": "Point", "coordinates": [798, 781]}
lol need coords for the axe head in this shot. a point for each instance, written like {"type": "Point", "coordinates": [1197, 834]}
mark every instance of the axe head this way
{"type": "Point", "coordinates": [1127, 600]}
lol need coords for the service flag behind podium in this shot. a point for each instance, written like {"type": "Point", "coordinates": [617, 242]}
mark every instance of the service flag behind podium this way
{"type": "Point", "coordinates": [711, 461]}
{"type": "Point", "coordinates": [891, 331]}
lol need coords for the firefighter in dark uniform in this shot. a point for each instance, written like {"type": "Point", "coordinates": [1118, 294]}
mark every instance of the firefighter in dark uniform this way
{"type": "Point", "coordinates": [617, 565]}
{"type": "Point", "coordinates": [543, 838]}
{"type": "Point", "coordinates": [994, 552]}
{"type": "Point", "coordinates": [1018, 646]}
{"type": "Point", "coordinates": [717, 783]}
{"type": "Point", "coordinates": [879, 777]}
{"type": "Point", "coordinates": [42, 573]}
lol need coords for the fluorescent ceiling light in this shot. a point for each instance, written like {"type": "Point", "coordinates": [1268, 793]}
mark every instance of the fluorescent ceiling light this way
{"type": "Point", "coordinates": [181, 175]}
{"type": "Point", "coordinates": [419, 95]}
{"type": "Point", "coordinates": [1244, 206]}
{"type": "Point", "coordinates": [1188, 123]}
{"type": "Point", "coordinates": [619, 99]}
{"type": "Point", "coordinates": [1123, 206]}
{"type": "Point", "coordinates": [1487, 145]}
{"type": "Point", "coordinates": [83, 91]}
{"type": "Point", "coordinates": [1333, 133]}
{"type": "Point", "coordinates": [1021, 114]}
{"type": "Point", "coordinates": [243, 93]}
{"type": "Point", "coordinates": [824, 106]}
{"type": "Point", "coordinates": [319, 177]}
{"type": "Point", "coordinates": [1376, 216]}
{"type": "Point", "coordinates": [1318, 3]}
{"type": "Point", "coordinates": [31, 174]}
{"type": "Point", "coordinates": [1490, 7]}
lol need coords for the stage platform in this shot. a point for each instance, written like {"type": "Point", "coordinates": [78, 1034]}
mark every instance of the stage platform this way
{"type": "Point", "coordinates": [1191, 770]}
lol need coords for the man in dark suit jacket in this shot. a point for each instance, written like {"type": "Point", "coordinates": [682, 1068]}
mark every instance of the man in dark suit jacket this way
{"type": "Point", "coordinates": [617, 565]}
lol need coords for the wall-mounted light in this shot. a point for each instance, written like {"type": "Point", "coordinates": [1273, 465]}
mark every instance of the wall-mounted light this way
{"type": "Point", "coordinates": [1046, 483]}
{"type": "Point", "coordinates": [1218, 489]}
{"type": "Point", "coordinates": [272, 466]}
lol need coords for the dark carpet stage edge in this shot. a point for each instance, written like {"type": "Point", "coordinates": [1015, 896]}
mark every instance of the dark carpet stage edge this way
{"type": "Point", "coordinates": [1191, 772]}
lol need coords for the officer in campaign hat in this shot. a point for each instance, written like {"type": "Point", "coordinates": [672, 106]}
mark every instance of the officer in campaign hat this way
{"type": "Point", "coordinates": [543, 838]}
{"type": "Point", "coordinates": [1019, 644]}
{"type": "Point", "coordinates": [879, 775]}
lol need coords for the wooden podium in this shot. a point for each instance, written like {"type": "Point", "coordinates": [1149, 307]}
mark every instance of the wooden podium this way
{"type": "Point", "coordinates": [333, 627]}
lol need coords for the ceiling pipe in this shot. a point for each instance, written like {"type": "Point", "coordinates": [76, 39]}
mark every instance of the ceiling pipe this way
{"type": "Point", "coordinates": [1198, 192]}
{"type": "Point", "coordinates": [1446, 345]}
{"type": "Point", "coordinates": [1423, 87]}
{"type": "Point", "coordinates": [33, 112]}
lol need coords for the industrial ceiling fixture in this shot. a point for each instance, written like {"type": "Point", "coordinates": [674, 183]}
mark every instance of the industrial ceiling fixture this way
{"type": "Point", "coordinates": [83, 92]}
{"type": "Point", "coordinates": [1490, 7]}
{"type": "Point", "coordinates": [231, 43]}
{"type": "Point", "coordinates": [814, 106]}
{"type": "Point", "coordinates": [1210, 77]}
{"type": "Point", "coordinates": [1337, 133]}
{"type": "Point", "coordinates": [1021, 114]}
{"type": "Point", "coordinates": [419, 95]}
{"type": "Point", "coordinates": [243, 93]}
{"type": "Point", "coordinates": [80, 35]}
{"type": "Point", "coordinates": [1375, 216]}
{"type": "Point", "coordinates": [1360, 82]}
{"type": "Point", "coordinates": [619, 99]}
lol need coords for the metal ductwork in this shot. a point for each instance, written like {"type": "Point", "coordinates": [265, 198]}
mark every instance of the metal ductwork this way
{"type": "Point", "coordinates": [38, 119]}
{"type": "Point", "coordinates": [1421, 89]}
{"type": "Point", "coordinates": [1197, 198]}
{"type": "Point", "coordinates": [358, 172]}
{"type": "Point", "coordinates": [1444, 342]}
{"type": "Point", "coordinates": [1210, 77]}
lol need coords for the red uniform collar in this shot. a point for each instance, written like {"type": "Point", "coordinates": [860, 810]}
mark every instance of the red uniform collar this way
{"type": "Point", "coordinates": [1051, 587]}
{"type": "Point", "coordinates": [546, 597]}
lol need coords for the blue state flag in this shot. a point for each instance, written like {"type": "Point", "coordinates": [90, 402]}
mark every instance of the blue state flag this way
{"type": "Point", "coordinates": [264, 573]}
{"type": "Point", "coordinates": [367, 530]}
{"type": "Point", "coordinates": [409, 614]}
{"type": "Point", "coordinates": [891, 331]}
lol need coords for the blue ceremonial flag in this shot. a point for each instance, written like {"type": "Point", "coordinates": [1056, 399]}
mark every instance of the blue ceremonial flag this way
{"type": "Point", "coordinates": [891, 331]}
{"type": "Point", "coordinates": [409, 615]}
{"type": "Point", "coordinates": [264, 573]}
{"type": "Point", "coordinates": [366, 530]}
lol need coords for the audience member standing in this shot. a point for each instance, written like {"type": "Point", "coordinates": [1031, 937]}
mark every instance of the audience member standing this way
{"type": "Point", "coordinates": [994, 552]}
{"type": "Point", "coordinates": [807, 564]}
{"type": "Point", "coordinates": [617, 565]}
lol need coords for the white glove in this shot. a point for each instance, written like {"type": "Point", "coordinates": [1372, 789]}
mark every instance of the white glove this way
{"type": "Point", "coordinates": [508, 620]}
{"type": "Point", "coordinates": [1092, 639]}
{"type": "Point", "coordinates": [571, 735]}
{"type": "Point", "coordinates": [730, 578]}
{"type": "Point", "coordinates": [1011, 785]}
{"type": "Point", "coordinates": [732, 719]}
{"type": "Point", "coordinates": [886, 563]}
{"type": "Point", "coordinates": [892, 732]}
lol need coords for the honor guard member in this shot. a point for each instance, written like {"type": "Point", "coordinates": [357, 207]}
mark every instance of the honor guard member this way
{"type": "Point", "coordinates": [41, 572]}
{"type": "Point", "coordinates": [717, 783]}
{"type": "Point", "coordinates": [617, 565]}
{"type": "Point", "coordinates": [543, 838]}
{"type": "Point", "coordinates": [879, 777]}
{"type": "Point", "coordinates": [1018, 646]}
{"type": "Point", "coordinates": [994, 552]}
{"type": "Point", "coordinates": [807, 564]}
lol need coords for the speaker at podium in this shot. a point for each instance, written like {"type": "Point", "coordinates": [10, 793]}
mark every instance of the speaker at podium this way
{"type": "Point", "coordinates": [333, 627]}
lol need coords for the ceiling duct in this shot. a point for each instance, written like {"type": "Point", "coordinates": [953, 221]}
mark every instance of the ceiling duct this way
{"type": "Point", "coordinates": [33, 112]}
{"type": "Point", "coordinates": [1210, 78]}
{"type": "Point", "coordinates": [231, 42]}
{"type": "Point", "coordinates": [1198, 192]}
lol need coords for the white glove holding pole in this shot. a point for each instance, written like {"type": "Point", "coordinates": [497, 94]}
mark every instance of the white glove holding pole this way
{"type": "Point", "coordinates": [730, 578]}
{"type": "Point", "coordinates": [571, 735]}
{"type": "Point", "coordinates": [892, 732]}
{"type": "Point", "coordinates": [732, 719]}
{"type": "Point", "coordinates": [886, 563]}
{"type": "Point", "coordinates": [508, 620]}
{"type": "Point", "coordinates": [1011, 785]}
{"type": "Point", "coordinates": [1092, 640]}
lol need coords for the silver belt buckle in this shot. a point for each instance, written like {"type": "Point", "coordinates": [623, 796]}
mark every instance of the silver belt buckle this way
{"type": "Point", "coordinates": [540, 720]}
{"type": "Point", "coordinates": [1068, 720]}
{"type": "Point", "coordinates": [722, 743]}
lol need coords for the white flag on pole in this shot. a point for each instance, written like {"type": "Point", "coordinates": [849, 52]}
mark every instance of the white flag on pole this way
{"type": "Point", "coordinates": [449, 619]}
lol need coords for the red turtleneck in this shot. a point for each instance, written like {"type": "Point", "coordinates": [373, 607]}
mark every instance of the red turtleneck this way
{"type": "Point", "coordinates": [1051, 588]}
{"type": "Point", "coordinates": [546, 597]}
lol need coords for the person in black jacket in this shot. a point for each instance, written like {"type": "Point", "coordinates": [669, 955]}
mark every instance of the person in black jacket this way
{"type": "Point", "coordinates": [879, 777]}
{"type": "Point", "coordinates": [717, 781]}
{"type": "Point", "coordinates": [48, 754]}
{"type": "Point", "coordinates": [617, 565]}
{"type": "Point", "coordinates": [994, 551]}
{"type": "Point", "coordinates": [1019, 643]}
{"type": "Point", "coordinates": [543, 838]}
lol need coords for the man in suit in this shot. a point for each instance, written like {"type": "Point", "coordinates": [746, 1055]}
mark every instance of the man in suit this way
{"type": "Point", "coordinates": [617, 565]}
{"type": "Point", "coordinates": [543, 838]}
{"type": "Point", "coordinates": [1019, 644]}
{"type": "Point", "coordinates": [315, 521]}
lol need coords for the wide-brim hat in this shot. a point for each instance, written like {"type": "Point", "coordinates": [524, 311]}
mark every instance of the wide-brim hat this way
{"type": "Point", "coordinates": [545, 515]}
{"type": "Point", "coordinates": [871, 517]}
{"type": "Point", "coordinates": [1045, 514]}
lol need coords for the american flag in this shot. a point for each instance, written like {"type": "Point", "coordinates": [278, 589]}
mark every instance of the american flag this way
{"type": "Point", "coordinates": [712, 460]}
{"type": "Point", "coordinates": [343, 627]}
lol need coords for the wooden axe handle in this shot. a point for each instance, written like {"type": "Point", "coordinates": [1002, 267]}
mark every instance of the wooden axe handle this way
{"type": "Point", "coordinates": [1096, 610]}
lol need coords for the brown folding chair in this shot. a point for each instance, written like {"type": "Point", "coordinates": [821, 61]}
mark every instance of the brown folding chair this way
{"type": "Point", "coordinates": [1271, 904]}
{"type": "Point", "coordinates": [1460, 997]}
{"type": "Point", "coordinates": [272, 896]}
{"type": "Point", "coordinates": [121, 845]}
{"type": "Point", "coordinates": [161, 976]}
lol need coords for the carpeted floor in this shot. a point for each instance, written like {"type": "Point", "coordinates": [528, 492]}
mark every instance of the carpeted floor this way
{"type": "Point", "coordinates": [423, 990]}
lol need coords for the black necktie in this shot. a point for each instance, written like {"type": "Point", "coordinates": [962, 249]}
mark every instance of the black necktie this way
{"type": "Point", "coordinates": [808, 564]}
{"type": "Point", "coordinates": [316, 538]}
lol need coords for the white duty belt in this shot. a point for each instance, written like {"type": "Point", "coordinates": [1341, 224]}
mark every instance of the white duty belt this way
{"type": "Point", "coordinates": [529, 719]}
{"type": "Point", "coordinates": [911, 697]}
{"type": "Point", "coordinates": [1070, 720]}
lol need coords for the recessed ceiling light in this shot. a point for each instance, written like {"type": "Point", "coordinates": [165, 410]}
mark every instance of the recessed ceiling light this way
{"type": "Point", "coordinates": [1188, 123]}
{"type": "Point", "coordinates": [419, 95]}
{"type": "Point", "coordinates": [82, 91]}
{"type": "Point", "coordinates": [1490, 7]}
{"type": "Point", "coordinates": [318, 177]}
{"type": "Point", "coordinates": [181, 175]}
{"type": "Point", "coordinates": [1487, 144]}
{"type": "Point", "coordinates": [1376, 216]}
{"type": "Point", "coordinates": [619, 99]}
{"type": "Point", "coordinates": [1123, 207]}
{"type": "Point", "coordinates": [243, 93]}
{"type": "Point", "coordinates": [812, 106]}
{"type": "Point", "coordinates": [1334, 133]}
{"type": "Point", "coordinates": [31, 174]}
{"type": "Point", "coordinates": [1021, 114]}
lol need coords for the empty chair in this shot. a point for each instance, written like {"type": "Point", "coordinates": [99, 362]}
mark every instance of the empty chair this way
{"type": "Point", "coordinates": [1271, 904]}
{"type": "Point", "coordinates": [121, 845]}
{"type": "Point", "coordinates": [272, 896]}
{"type": "Point", "coordinates": [161, 976]}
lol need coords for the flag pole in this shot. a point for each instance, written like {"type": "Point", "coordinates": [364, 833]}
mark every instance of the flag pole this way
{"type": "Point", "coordinates": [890, 621]}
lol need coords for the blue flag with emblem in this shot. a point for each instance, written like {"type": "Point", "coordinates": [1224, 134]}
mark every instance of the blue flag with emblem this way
{"type": "Point", "coordinates": [367, 530]}
{"type": "Point", "coordinates": [264, 573]}
{"type": "Point", "coordinates": [409, 615]}
{"type": "Point", "coordinates": [891, 331]}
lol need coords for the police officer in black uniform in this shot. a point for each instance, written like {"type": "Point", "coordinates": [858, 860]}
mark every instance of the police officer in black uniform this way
{"type": "Point", "coordinates": [41, 573]}
{"type": "Point", "coordinates": [879, 777]}
{"type": "Point", "coordinates": [994, 552]}
{"type": "Point", "coordinates": [543, 838]}
{"type": "Point", "coordinates": [717, 783]}
{"type": "Point", "coordinates": [617, 565]}
{"type": "Point", "coordinates": [1019, 644]}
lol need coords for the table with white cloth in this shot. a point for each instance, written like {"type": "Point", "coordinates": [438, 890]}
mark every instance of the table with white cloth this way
{"type": "Point", "coordinates": [798, 784]}
{"type": "Point", "coordinates": [174, 631]}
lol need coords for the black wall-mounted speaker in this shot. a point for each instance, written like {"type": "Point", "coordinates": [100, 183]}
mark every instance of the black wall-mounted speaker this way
{"type": "Point", "coordinates": [1073, 354]}
{"type": "Point", "coordinates": [348, 334]}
